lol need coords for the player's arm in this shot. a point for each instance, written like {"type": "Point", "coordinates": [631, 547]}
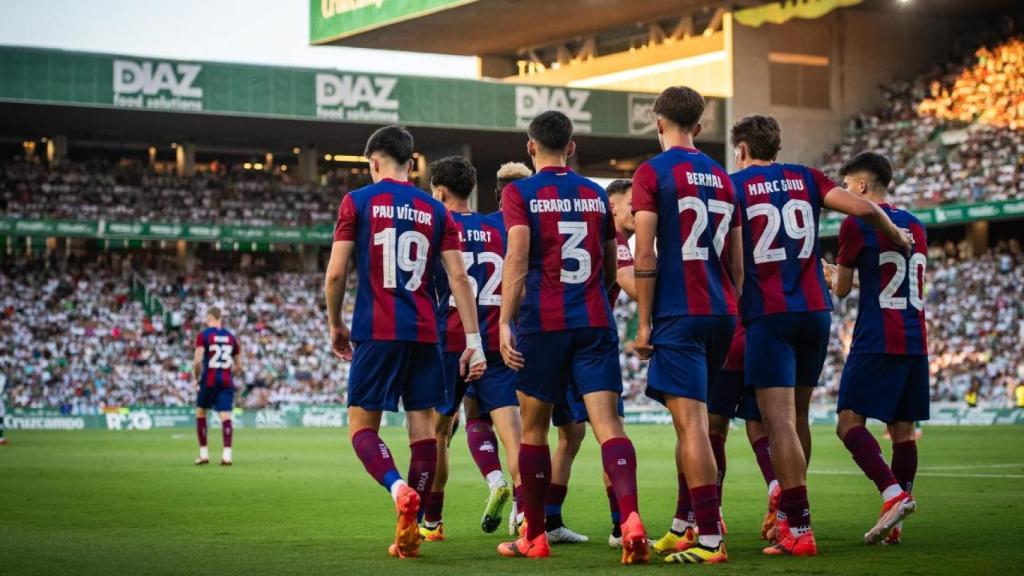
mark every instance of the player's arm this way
{"type": "Point", "coordinates": [513, 285]}
{"type": "Point", "coordinates": [335, 281]}
{"type": "Point", "coordinates": [238, 362]}
{"type": "Point", "coordinates": [843, 282]}
{"type": "Point", "coordinates": [839, 276]}
{"type": "Point", "coordinates": [842, 200]}
{"type": "Point", "coordinates": [645, 273]}
{"type": "Point", "coordinates": [197, 363]}
{"type": "Point", "coordinates": [624, 278]}
{"type": "Point", "coordinates": [473, 361]}
{"type": "Point", "coordinates": [736, 258]}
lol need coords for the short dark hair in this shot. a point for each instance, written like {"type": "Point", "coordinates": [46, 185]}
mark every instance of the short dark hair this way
{"type": "Point", "coordinates": [395, 141]}
{"type": "Point", "coordinates": [871, 162]}
{"type": "Point", "coordinates": [454, 173]}
{"type": "Point", "coordinates": [682, 105]}
{"type": "Point", "coordinates": [552, 130]}
{"type": "Point", "coordinates": [761, 134]}
{"type": "Point", "coordinates": [619, 186]}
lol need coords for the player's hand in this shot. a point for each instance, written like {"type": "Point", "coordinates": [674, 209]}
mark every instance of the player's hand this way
{"type": "Point", "coordinates": [905, 241]}
{"type": "Point", "coordinates": [473, 361]}
{"type": "Point", "coordinates": [513, 359]}
{"type": "Point", "coordinates": [830, 273]}
{"type": "Point", "coordinates": [643, 346]}
{"type": "Point", "coordinates": [340, 344]}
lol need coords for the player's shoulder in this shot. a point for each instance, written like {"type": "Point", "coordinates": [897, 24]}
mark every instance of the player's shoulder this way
{"type": "Point", "coordinates": [588, 183]}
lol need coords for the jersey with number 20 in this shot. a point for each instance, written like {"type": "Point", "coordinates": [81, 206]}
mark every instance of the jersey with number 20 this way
{"type": "Point", "coordinates": [399, 232]}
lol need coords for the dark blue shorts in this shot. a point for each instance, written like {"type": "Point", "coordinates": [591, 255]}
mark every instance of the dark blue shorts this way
{"type": "Point", "coordinates": [688, 355]}
{"type": "Point", "coordinates": [786, 350]}
{"type": "Point", "coordinates": [573, 410]}
{"type": "Point", "coordinates": [495, 389]}
{"type": "Point", "coordinates": [384, 371]}
{"type": "Point", "coordinates": [730, 397]}
{"type": "Point", "coordinates": [578, 361]}
{"type": "Point", "coordinates": [886, 387]}
{"type": "Point", "coordinates": [216, 397]}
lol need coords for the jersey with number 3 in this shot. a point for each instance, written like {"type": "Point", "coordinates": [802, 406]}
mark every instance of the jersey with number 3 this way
{"type": "Point", "coordinates": [483, 253]}
{"type": "Point", "coordinates": [780, 206]}
{"type": "Point", "coordinates": [570, 221]}
{"type": "Point", "coordinates": [890, 314]}
{"type": "Point", "coordinates": [399, 232]}
{"type": "Point", "coordinates": [696, 207]}
{"type": "Point", "coordinates": [219, 350]}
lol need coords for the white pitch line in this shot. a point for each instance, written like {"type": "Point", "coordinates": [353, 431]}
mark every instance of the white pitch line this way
{"type": "Point", "coordinates": [973, 466]}
{"type": "Point", "coordinates": [935, 474]}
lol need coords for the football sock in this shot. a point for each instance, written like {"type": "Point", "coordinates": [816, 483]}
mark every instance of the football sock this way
{"type": "Point", "coordinates": [433, 509]}
{"type": "Point", "coordinates": [517, 495]}
{"type": "Point", "coordinates": [201, 430]}
{"type": "Point", "coordinates": [613, 505]}
{"type": "Point", "coordinates": [684, 510]}
{"type": "Point", "coordinates": [422, 464]}
{"type": "Point", "coordinates": [535, 471]}
{"type": "Point", "coordinates": [553, 506]}
{"type": "Point", "coordinates": [718, 448]}
{"type": "Point", "coordinates": [904, 463]}
{"type": "Point", "coordinates": [619, 459]}
{"type": "Point", "coordinates": [793, 503]}
{"type": "Point", "coordinates": [483, 445]}
{"type": "Point", "coordinates": [868, 455]}
{"type": "Point", "coordinates": [227, 430]}
{"type": "Point", "coordinates": [376, 458]}
{"type": "Point", "coordinates": [706, 512]}
{"type": "Point", "coordinates": [763, 454]}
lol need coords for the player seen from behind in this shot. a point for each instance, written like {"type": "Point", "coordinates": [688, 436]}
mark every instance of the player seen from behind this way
{"type": "Point", "coordinates": [216, 362]}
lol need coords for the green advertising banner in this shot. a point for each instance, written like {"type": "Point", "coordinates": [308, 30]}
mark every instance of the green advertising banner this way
{"type": "Point", "coordinates": [330, 20]}
{"type": "Point", "coordinates": [85, 79]}
{"type": "Point", "coordinates": [943, 215]}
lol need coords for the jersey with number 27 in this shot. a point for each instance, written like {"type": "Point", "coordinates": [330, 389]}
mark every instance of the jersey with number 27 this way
{"type": "Point", "coordinates": [219, 350]}
{"type": "Point", "coordinates": [781, 206]}
{"type": "Point", "coordinates": [890, 314]}
{"type": "Point", "coordinates": [570, 221]}
{"type": "Point", "coordinates": [399, 233]}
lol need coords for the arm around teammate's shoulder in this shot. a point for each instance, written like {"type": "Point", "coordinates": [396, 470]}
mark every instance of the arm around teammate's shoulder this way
{"type": "Point", "coordinates": [842, 200]}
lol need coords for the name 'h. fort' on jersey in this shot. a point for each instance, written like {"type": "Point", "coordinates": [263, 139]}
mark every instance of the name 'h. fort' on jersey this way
{"type": "Point", "coordinates": [781, 206]}
{"type": "Point", "coordinates": [399, 232]}
{"type": "Point", "coordinates": [569, 220]}
{"type": "Point", "coordinates": [890, 313]}
{"type": "Point", "coordinates": [695, 203]}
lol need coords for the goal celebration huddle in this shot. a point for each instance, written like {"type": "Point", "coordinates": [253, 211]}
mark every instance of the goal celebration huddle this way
{"type": "Point", "coordinates": [508, 318]}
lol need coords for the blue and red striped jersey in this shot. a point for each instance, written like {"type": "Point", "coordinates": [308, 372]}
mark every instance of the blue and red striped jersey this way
{"type": "Point", "coordinates": [696, 207]}
{"type": "Point", "coordinates": [781, 205]}
{"type": "Point", "coordinates": [890, 314]}
{"type": "Point", "coordinates": [570, 220]}
{"type": "Point", "coordinates": [623, 259]}
{"type": "Point", "coordinates": [399, 232]}
{"type": "Point", "coordinates": [483, 252]}
{"type": "Point", "coordinates": [219, 350]}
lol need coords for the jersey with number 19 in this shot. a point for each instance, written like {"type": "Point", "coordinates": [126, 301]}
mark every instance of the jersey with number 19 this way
{"type": "Point", "coordinates": [784, 281]}
{"type": "Point", "coordinates": [694, 308]}
{"type": "Point", "coordinates": [399, 233]}
{"type": "Point", "coordinates": [886, 373]}
{"type": "Point", "coordinates": [566, 329]}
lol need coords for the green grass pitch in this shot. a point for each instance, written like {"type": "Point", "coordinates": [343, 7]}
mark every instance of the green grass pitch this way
{"type": "Point", "coordinates": [298, 502]}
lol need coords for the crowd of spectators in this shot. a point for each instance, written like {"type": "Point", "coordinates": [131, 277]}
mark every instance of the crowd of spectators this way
{"type": "Point", "coordinates": [74, 335]}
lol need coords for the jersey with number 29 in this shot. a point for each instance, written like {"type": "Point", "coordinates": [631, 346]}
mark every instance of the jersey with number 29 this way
{"type": "Point", "coordinates": [399, 233]}
{"type": "Point", "coordinates": [219, 350]}
{"type": "Point", "coordinates": [781, 206]}
{"type": "Point", "coordinates": [890, 314]}
{"type": "Point", "coordinates": [570, 221]}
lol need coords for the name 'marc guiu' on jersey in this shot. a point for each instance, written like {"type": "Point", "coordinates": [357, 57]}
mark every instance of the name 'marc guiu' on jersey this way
{"type": "Point", "coordinates": [570, 220]}
{"type": "Point", "coordinates": [219, 350]}
{"type": "Point", "coordinates": [781, 207]}
{"type": "Point", "coordinates": [483, 253]}
{"type": "Point", "coordinates": [890, 313]}
{"type": "Point", "coordinates": [696, 208]}
{"type": "Point", "coordinates": [399, 232]}
{"type": "Point", "coordinates": [623, 259]}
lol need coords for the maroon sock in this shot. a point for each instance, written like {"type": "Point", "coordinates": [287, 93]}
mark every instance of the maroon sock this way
{"type": "Point", "coordinates": [517, 493]}
{"type": "Point", "coordinates": [684, 510]}
{"type": "Point", "coordinates": [556, 495]}
{"type": "Point", "coordinates": [434, 507]}
{"type": "Point", "coordinates": [535, 470]}
{"type": "Point", "coordinates": [705, 509]}
{"type": "Point", "coordinates": [619, 458]}
{"type": "Point", "coordinates": [483, 445]}
{"type": "Point", "coordinates": [201, 430]}
{"type": "Point", "coordinates": [793, 503]}
{"type": "Point", "coordinates": [904, 463]}
{"type": "Point", "coordinates": [868, 455]}
{"type": "Point", "coordinates": [422, 464]}
{"type": "Point", "coordinates": [763, 454]}
{"type": "Point", "coordinates": [718, 447]}
{"type": "Point", "coordinates": [613, 504]}
{"type": "Point", "coordinates": [375, 456]}
{"type": "Point", "coordinates": [226, 430]}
